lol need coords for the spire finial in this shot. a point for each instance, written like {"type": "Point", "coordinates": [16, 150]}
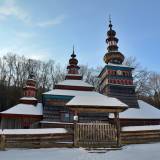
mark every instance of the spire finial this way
{"type": "Point", "coordinates": [110, 22]}
{"type": "Point", "coordinates": [109, 18]}
{"type": "Point", "coordinates": [73, 49]}
{"type": "Point", "coordinates": [73, 53]}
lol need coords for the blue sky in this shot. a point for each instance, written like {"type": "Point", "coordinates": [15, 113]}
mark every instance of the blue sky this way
{"type": "Point", "coordinates": [47, 29]}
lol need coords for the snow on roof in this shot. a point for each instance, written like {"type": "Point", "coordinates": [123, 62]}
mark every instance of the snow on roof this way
{"type": "Point", "coordinates": [33, 131]}
{"type": "Point", "coordinates": [120, 65]}
{"type": "Point", "coordinates": [73, 75]}
{"type": "Point", "coordinates": [69, 92]}
{"type": "Point", "coordinates": [28, 98]}
{"type": "Point", "coordinates": [26, 109]}
{"type": "Point", "coordinates": [87, 98]}
{"type": "Point", "coordinates": [141, 128]}
{"type": "Point", "coordinates": [145, 111]}
{"type": "Point", "coordinates": [95, 100]}
{"type": "Point", "coordinates": [74, 83]}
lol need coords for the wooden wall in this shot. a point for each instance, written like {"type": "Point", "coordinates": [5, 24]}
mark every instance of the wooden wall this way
{"type": "Point", "coordinates": [140, 137]}
{"type": "Point", "coordinates": [66, 139]}
{"type": "Point", "coordinates": [19, 122]}
{"type": "Point", "coordinates": [37, 141]}
{"type": "Point", "coordinates": [139, 122]}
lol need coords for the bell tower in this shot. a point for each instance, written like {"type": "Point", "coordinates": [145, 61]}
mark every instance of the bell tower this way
{"type": "Point", "coordinates": [115, 78]}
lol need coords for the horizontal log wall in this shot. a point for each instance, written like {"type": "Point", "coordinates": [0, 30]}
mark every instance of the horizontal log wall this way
{"type": "Point", "coordinates": [57, 125]}
{"type": "Point", "coordinates": [140, 137]}
{"type": "Point", "coordinates": [37, 141]}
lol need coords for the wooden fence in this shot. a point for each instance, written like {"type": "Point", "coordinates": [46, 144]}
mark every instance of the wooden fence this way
{"type": "Point", "coordinates": [140, 137]}
{"type": "Point", "coordinates": [88, 135]}
{"type": "Point", "coordinates": [95, 134]}
{"type": "Point", "coordinates": [36, 140]}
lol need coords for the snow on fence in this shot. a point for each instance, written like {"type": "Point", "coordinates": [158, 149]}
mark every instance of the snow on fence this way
{"type": "Point", "coordinates": [35, 138]}
{"type": "Point", "coordinates": [33, 131]}
{"type": "Point", "coordinates": [140, 134]}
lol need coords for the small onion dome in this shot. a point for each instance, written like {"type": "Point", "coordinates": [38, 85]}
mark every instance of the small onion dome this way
{"type": "Point", "coordinates": [112, 39]}
{"type": "Point", "coordinates": [73, 61]}
{"type": "Point", "coordinates": [111, 33]}
{"type": "Point", "coordinates": [114, 57]}
{"type": "Point", "coordinates": [73, 55]}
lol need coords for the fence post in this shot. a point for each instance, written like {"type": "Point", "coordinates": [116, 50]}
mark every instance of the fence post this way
{"type": "Point", "coordinates": [116, 115]}
{"type": "Point", "coordinates": [2, 144]}
{"type": "Point", "coordinates": [75, 118]}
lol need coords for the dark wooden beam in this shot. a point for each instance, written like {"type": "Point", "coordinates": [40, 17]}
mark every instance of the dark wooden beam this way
{"type": "Point", "coordinates": [117, 122]}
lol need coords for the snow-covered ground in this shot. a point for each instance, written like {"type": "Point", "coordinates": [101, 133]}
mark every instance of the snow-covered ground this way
{"type": "Point", "coordinates": [131, 152]}
{"type": "Point", "coordinates": [141, 128]}
{"type": "Point", "coordinates": [33, 131]}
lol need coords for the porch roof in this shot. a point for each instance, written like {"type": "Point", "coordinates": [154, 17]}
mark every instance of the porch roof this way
{"type": "Point", "coordinates": [96, 103]}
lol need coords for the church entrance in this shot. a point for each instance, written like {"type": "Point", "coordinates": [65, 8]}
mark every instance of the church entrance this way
{"type": "Point", "coordinates": [95, 135]}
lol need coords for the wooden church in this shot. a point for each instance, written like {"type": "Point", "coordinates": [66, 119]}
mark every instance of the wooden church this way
{"type": "Point", "coordinates": [73, 99]}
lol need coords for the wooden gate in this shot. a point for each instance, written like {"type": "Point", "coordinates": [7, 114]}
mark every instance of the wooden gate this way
{"type": "Point", "coordinates": [95, 135]}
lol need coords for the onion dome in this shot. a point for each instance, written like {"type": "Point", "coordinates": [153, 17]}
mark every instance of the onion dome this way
{"type": "Point", "coordinates": [113, 55]}
{"type": "Point", "coordinates": [73, 60]}
{"type": "Point", "coordinates": [72, 67]}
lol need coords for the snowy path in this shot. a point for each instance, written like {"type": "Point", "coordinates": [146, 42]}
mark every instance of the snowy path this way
{"type": "Point", "coordinates": [131, 152]}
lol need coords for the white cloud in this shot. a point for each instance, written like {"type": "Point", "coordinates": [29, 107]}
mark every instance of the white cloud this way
{"type": "Point", "coordinates": [24, 35]}
{"type": "Point", "coordinates": [53, 22]}
{"type": "Point", "coordinates": [10, 8]}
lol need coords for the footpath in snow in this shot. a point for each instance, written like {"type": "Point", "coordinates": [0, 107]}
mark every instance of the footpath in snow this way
{"type": "Point", "coordinates": [131, 152]}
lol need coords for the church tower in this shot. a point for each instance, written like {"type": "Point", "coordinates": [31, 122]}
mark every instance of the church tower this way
{"type": "Point", "coordinates": [116, 79]}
